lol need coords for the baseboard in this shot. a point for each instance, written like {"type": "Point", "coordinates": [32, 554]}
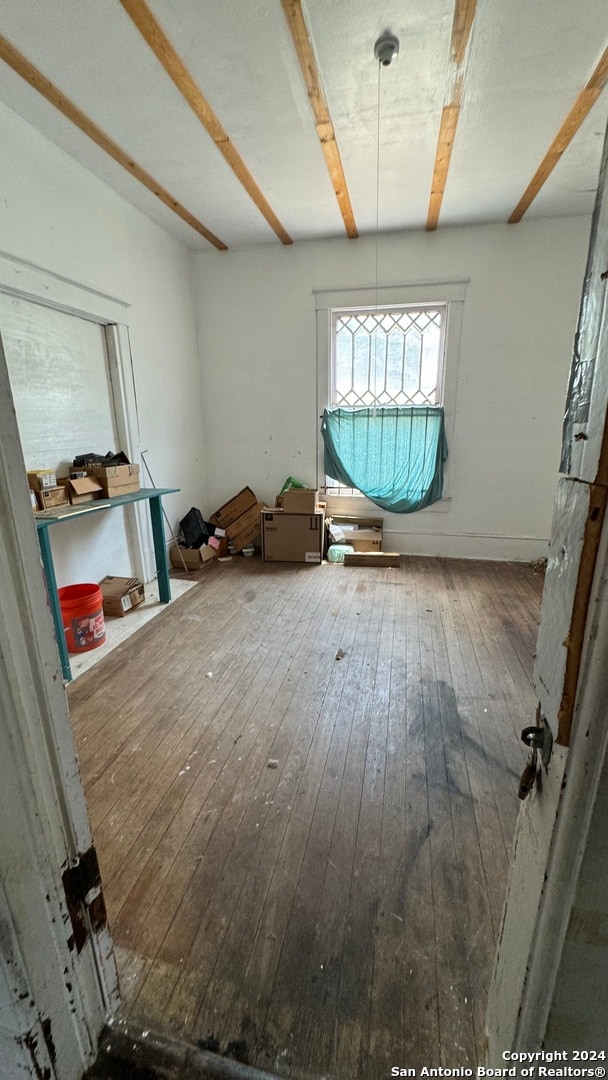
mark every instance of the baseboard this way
{"type": "Point", "coordinates": [467, 546]}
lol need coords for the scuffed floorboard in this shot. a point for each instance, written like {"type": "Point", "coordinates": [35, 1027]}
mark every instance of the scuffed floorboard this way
{"type": "Point", "coordinates": [302, 855]}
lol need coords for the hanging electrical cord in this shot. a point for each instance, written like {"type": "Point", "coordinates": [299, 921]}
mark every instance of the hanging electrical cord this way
{"type": "Point", "coordinates": [386, 50]}
{"type": "Point", "coordinates": [377, 183]}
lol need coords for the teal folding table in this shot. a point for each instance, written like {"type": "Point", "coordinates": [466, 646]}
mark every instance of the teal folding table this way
{"type": "Point", "coordinates": [64, 514]}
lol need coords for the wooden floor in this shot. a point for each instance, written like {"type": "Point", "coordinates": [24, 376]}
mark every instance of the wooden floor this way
{"type": "Point", "coordinates": [303, 789]}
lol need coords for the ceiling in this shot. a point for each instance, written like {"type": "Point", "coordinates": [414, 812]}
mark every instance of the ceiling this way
{"type": "Point", "coordinates": [466, 113]}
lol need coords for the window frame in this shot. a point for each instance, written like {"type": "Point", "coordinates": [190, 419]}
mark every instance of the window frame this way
{"type": "Point", "coordinates": [451, 295]}
{"type": "Point", "coordinates": [336, 313]}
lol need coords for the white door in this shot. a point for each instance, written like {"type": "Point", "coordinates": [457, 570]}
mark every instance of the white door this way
{"type": "Point", "coordinates": [538, 996]}
{"type": "Point", "coordinates": [57, 973]}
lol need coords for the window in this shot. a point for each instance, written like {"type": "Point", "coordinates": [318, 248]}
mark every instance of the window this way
{"type": "Point", "coordinates": [385, 357]}
{"type": "Point", "coordinates": [395, 347]}
{"type": "Point", "coordinates": [392, 357]}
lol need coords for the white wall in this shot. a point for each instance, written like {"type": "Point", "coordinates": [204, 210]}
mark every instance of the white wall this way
{"type": "Point", "coordinates": [258, 421]}
{"type": "Point", "coordinates": [56, 215]}
{"type": "Point", "coordinates": [257, 339]}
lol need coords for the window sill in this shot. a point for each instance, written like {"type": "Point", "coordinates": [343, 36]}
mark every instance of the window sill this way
{"type": "Point", "coordinates": [346, 504]}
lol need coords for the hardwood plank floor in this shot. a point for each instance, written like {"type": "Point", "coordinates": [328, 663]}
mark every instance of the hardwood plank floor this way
{"type": "Point", "coordinates": [303, 789]}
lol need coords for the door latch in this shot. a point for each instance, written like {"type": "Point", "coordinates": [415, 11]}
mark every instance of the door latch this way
{"type": "Point", "coordinates": [539, 740]}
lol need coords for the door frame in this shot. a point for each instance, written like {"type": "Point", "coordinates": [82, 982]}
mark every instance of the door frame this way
{"type": "Point", "coordinates": [27, 281]}
{"type": "Point", "coordinates": [58, 978]}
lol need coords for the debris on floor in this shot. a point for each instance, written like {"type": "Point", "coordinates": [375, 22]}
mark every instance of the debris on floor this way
{"type": "Point", "coordinates": [209, 1043]}
{"type": "Point", "coordinates": [238, 1050]}
{"type": "Point", "coordinates": [340, 654]}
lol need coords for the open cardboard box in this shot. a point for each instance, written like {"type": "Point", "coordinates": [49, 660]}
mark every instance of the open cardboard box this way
{"type": "Point", "coordinates": [362, 533]}
{"type": "Point", "coordinates": [193, 558]}
{"type": "Point", "coordinates": [82, 490]}
{"type": "Point", "coordinates": [121, 594]}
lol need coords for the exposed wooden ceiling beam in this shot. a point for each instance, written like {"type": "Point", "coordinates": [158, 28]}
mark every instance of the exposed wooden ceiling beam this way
{"type": "Point", "coordinates": [445, 143]}
{"type": "Point", "coordinates": [464, 16]}
{"type": "Point", "coordinates": [323, 122]}
{"type": "Point", "coordinates": [579, 111]}
{"type": "Point", "coordinates": [39, 82]}
{"type": "Point", "coordinates": [162, 48]}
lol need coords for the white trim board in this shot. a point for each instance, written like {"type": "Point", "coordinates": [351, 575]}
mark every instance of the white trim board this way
{"type": "Point", "coordinates": [39, 285]}
{"type": "Point", "coordinates": [451, 293]}
{"type": "Point", "coordinates": [31, 282]}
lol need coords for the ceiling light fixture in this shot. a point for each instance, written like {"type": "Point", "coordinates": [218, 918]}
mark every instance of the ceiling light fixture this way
{"type": "Point", "coordinates": [386, 49]}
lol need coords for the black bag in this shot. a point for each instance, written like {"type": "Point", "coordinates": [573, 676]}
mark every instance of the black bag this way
{"type": "Point", "coordinates": [195, 530]}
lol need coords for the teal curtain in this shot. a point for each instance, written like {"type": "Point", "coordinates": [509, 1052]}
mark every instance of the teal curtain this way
{"type": "Point", "coordinates": [393, 455]}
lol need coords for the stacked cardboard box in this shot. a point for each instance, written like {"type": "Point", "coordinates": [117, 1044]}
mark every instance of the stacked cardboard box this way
{"type": "Point", "coordinates": [83, 484]}
{"type": "Point", "coordinates": [362, 533]}
{"type": "Point", "coordinates": [240, 518]}
{"type": "Point", "coordinates": [294, 531]}
{"type": "Point", "coordinates": [41, 479]}
{"type": "Point", "coordinates": [116, 479]}
{"type": "Point", "coordinates": [300, 501]}
{"type": "Point", "coordinates": [47, 492]}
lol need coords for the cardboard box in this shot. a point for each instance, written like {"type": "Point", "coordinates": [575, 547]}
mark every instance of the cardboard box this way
{"type": "Point", "coordinates": [245, 529]}
{"type": "Point", "coordinates": [292, 537]}
{"type": "Point", "coordinates": [39, 479]}
{"type": "Point", "coordinates": [82, 491]}
{"type": "Point", "coordinates": [194, 558]}
{"type": "Point", "coordinates": [363, 539]}
{"type": "Point", "coordinates": [116, 479]}
{"type": "Point", "coordinates": [54, 496]}
{"type": "Point", "coordinates": [121, 594]}
{"type": "Point", "coordinates": [373, 558]}
{"type": "Point", "coordinates": [240, 517]}
{"type": "Point", "coordinates": [360, 520]}
{"type": "Point", "coordinates": [364, 534]}
{"type": "Point", "coordinates": [300, 500]}
{"type": "Point", "coordinates": [234, 508]}
{"type": "Point", "coordinates": [220, 544]}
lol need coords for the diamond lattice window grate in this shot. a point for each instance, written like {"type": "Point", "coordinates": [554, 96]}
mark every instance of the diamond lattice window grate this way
{"type": "Point", "coordinates": [387, 358]}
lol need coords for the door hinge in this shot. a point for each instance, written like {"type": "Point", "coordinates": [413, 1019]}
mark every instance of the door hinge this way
{"type": "Point", "coordinates": [84, 898]}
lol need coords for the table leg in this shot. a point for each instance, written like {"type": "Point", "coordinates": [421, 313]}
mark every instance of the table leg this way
{"type": "Point", "coordinates": [160, 549]}
{"type": "Point", "coordinates": [51, 588]}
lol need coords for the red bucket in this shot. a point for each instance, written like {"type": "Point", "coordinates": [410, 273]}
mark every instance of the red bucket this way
{"type": "Point", "coordinates": [82, 614]}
